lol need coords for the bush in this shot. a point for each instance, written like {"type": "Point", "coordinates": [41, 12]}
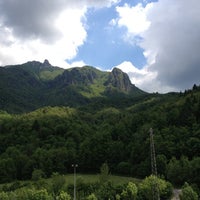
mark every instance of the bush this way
{"type": "Point", "coordinates": [63, 196]}
{"type": "Point", "coordinates": [37, 174]}
{"type": "Point", "coordinates": [124, 168]}
{"type": "Point", "coordinates": [92, 197]}
{"type": "Point", "coordinates": [188, 193]}
{"type": "Point", "coordinates": [130, 192]}
{"type": "Point", "coordinates": [4, 196]}
{"type": "Point", "coordinates": [58, 181]}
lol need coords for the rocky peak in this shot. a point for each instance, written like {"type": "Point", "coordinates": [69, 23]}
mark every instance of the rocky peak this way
{"type": "Point", "coordinates": [46, 63]}
{"type": "Point", "coordinates": [120, 80]}
{"type": "Point", "coordinates": [75, 76]}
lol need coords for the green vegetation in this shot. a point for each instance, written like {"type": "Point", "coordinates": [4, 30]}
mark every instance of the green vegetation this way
{"type": "Point", "coordinates": [52, 138]}
{"type": "Point", "coordinates": [41, 71]}
{"type": "Point", "coordinates": [74, 122]}
{"type": "Point", "coordinates": [188, 193]}
{"type": "Point", "coordinates": [61, 187]}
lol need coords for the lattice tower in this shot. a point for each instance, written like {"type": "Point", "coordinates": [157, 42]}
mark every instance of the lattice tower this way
{"type": "Point", "coordinates": [155, 187]}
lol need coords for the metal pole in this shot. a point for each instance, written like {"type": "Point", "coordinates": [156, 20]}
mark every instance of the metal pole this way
{"type": "Point", "coordinates": [155, 189]}
{"type": "Point", "coordinates": [74, 166]}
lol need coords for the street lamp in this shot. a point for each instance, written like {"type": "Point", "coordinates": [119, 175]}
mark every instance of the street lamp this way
{"type": "Point", "coordinates": [74, 166]}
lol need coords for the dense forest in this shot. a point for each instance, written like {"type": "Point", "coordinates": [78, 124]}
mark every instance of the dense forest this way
{"type": "Point", "coordinates": [52, 138]}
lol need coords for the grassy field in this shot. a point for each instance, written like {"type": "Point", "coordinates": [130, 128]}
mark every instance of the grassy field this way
{"type": "Point", "coordinates": [91, 178]}
{"type": "Point", "coordinates": [69, 180]}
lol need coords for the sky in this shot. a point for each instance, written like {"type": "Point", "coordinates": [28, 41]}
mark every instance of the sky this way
{"type": "Point", "coordinates": [156, 42]}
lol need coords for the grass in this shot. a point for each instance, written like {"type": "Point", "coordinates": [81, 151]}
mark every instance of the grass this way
{"type": "Point", "coordinates": [92, 178]}
{"type": "Point", "coordinates": [80, 178]}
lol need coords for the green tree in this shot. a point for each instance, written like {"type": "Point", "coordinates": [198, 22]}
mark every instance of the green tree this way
{"type": "Point", "coordinates": [57, 184]}
{"type": "Point", "coordinates": [4, 196]}
{"type": "Point", "coordinates": [91, 197]}
{"type": "Point", "coordinates": [42, 159]}
{"type": "Point", "coordinates": [59, 157]}
{"type": "Point", "coordinates": [31, 194]}
{"type": "Point", "coordinates": [148, 184]}
{"type": "Point", "coordinates": [104, 173]}
{"type": "Point", "coordinates": [41, 195]}
{"type": "Point", "coordinates": [195, 178]}
{"type": "Point", "coordinates": [37, 174]}
{"type": "Point", "coordinates": [63, 196]}
{"type": "Point", "coordinates": [19, 160]}
{"type": "Point", "coordinates": [188, 193]}
{"type": "Point", "coordinates": [161, 164]}
{"type": "Point", "coordinates": [130, 192]}
{"type": "Point", "coordinates": [7, 170]}
{"type": "Point", "coordinates": [106, 191]}
{"type": "Point", "coordinates": [179, 171]}
{"type": "Point", "coordinates": [172, 169]}
{"type": "Point", "coordinates": [124, 168]}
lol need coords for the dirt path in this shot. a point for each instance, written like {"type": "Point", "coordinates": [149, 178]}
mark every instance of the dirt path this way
{"type": "Point", "coordinates": [176, 193]}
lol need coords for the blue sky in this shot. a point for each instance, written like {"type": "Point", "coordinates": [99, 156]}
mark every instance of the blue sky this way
{"type": "Point", "coordinates": [105, 46]}
{"type": "Point", "coordinates": [156, 42]}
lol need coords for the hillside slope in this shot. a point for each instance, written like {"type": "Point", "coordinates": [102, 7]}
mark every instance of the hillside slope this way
{"type": "Point", "coordinates": [33, 85]}
{"type": "Point", "coordinates": [52, 138]}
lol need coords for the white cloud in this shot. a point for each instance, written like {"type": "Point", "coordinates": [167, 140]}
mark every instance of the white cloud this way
{"type": "Point", "coordinates": [173, 39]}
{"type": "Point", "coordinates": [133, 18]}
{"type": "Point", "coordinates": [170, 37]}
{"type": "Point", "coordinates": [79, 63]}
{"type": "Point", "coordinates": [40, 29]}
{"type": "Point", "coordinates": [144, 78]}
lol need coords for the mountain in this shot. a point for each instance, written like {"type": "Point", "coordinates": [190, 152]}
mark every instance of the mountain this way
{"type": "Point", "coordinates": [34, 84]}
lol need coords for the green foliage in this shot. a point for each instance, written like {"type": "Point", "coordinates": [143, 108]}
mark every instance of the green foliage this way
{"type": "Point", "coordinates": [87, 187]}
{"type": "Point", "coordinates": [104, 173]}
{"type": "Point", "coordinates": [31, 194]}
{"type": "Point", "coordinates": [130, 192]}
{"type": "Point", "coordinates": [106, 191]}
{"type": "Point", "coordinates": [63, 196]}
{"type": "Point", "coordinates": [37, 174]}
{"type": "Point", "coordinates": [124, 168]}
{"type": "Point", "coordinates": [92, 197]}
{"type": "Point", "coordinates": [152, 183]}
{"type": "Point", "coordinates": [58, 182]}
{"type": "Point", "coordinates": [188, 193]}
{"type": "Point", "coordinates": [180, 170]}
{"type": "Point", "coordinates": [112, 129]}
{"type": "Point", "coordinates": [4, 196]}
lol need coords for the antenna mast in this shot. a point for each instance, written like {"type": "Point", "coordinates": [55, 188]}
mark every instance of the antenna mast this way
{"type": "Point", "coordinates": [155, 188]}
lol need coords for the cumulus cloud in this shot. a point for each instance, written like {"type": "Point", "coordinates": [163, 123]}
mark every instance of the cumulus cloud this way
{"type": "Point", "coordinates": [133, 18]}
{"type": "Point", "coordinates": [174, 36]}
{"type": "Point", "coordinates": [171, 42]}
{"type": "Point", "coordinates": [39, 29]}
{"type": "Point", "coordinates": [143, 78]}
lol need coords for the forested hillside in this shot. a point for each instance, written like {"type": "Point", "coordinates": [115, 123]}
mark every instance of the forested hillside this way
{"type": "Point", "coordinates": [52, 138]}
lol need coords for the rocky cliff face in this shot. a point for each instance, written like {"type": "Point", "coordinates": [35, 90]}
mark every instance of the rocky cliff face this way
{"type": "Point", "coordinates": [87, 76]}
{"type": "Point", "coordinates": [119, 80]}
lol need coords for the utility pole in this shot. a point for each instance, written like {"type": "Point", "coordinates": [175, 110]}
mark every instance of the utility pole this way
{"type": "Point", "coordinates": [74, 166]}
{"type": "Point", "coordinates": [155, 188]}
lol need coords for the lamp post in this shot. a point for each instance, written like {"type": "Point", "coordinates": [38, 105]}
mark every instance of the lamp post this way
{"type": "Point", "coordinates": [74, 166]}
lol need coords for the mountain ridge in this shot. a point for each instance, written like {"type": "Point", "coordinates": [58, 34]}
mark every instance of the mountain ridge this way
{"type": "Point", "coordinates": [35, 84]}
